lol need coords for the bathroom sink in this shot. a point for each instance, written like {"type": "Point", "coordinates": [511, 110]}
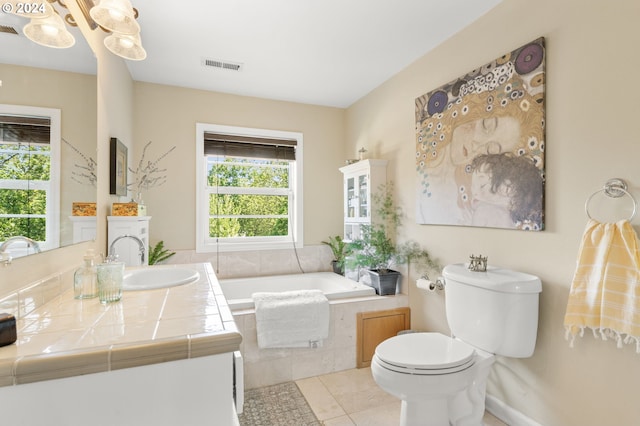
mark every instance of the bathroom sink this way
{"type": "Point", "coordinates": [157, 277]}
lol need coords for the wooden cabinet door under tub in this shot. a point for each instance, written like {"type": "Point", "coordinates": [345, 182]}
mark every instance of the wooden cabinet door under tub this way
{"type": "Point", "coordinates": [372, 328]}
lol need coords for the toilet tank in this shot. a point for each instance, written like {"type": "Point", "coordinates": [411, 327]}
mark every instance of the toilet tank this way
{"type": "Point", "coordinates": [496, 310]}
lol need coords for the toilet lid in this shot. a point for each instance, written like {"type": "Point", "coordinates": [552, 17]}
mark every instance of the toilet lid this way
{"type": "Point", "coordinates": [426, 351]}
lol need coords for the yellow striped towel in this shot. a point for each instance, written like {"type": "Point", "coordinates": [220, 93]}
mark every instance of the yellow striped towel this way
{"type": "Point", "coordinates": [605, 292]}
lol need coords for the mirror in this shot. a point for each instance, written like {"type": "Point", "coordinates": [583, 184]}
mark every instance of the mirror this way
{"type": "Point", "coordinates": [37, 84]}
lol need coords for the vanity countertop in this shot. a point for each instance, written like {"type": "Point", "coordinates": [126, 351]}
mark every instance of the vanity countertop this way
{"type": "Point", "coordinates": [68, 337]}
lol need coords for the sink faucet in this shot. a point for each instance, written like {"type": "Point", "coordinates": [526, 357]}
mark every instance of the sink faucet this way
{"type": "Point", "coordinates": [5, 257]}
{"type": "Point", "coordinates": [112, 253]}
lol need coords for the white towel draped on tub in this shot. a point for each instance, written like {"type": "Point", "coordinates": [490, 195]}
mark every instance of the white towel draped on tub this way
{"type": "Point", "coordinates": [291, 318]}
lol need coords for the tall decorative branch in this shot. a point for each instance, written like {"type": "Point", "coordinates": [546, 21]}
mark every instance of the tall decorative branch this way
{"type": "Point", "coordinates": [5, 160]}
{"type": "Point", "coordinates": [84, 174]}
{"type": "Point", "coordinates": [147, 174]}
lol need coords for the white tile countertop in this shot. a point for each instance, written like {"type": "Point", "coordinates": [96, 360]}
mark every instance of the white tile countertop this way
{"type": "Point", "coordinates": [66, 337]}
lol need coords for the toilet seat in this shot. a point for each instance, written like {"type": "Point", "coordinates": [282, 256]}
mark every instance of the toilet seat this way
{"type": "Point", "coordinates": [424, 354]}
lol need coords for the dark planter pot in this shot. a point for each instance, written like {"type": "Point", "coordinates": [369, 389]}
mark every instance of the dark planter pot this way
{"type": "Point", "coordinates": [338, 269]}
{"type": "Point", "coordinates": [385, 284]}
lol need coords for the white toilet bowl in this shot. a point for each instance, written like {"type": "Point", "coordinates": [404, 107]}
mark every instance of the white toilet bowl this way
{"type": "Point", "coordinates": [440, 380]}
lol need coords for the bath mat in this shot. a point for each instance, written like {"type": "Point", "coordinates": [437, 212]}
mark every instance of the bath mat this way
{"type": "Point", "coordinates": [277, 405]}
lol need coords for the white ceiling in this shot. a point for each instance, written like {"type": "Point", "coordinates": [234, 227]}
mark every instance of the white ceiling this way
{"type": "Point", "coordinates": [329, 52]}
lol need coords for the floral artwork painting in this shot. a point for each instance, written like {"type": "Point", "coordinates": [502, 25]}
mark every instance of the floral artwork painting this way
{"type": "Point", "coordinates": [480, 145]}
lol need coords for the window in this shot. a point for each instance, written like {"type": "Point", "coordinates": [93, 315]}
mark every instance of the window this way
{"type": "Point", "coordinates": [249, 188]}
{"type": "Point", "coordinates": [29, 175]}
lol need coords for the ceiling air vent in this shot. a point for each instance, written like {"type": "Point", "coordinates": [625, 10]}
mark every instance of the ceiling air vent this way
{"type": "Point", "coordinates": [223, 65]}
{"type": "Point", "coordinates": [8, 30]}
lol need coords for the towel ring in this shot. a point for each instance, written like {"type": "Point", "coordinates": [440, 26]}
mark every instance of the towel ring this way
{"type": "Point", "coordinates": [614, 188]}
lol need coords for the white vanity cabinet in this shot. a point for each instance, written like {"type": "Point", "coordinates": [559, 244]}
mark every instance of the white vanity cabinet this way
{"type": "Point", "coordinates": [127, 249]}
{"type": "Point", "coordinates": [127, 366]}
{"type": "Point", "coordinates": [195, 391]}
{"type": "Point", "coordinates": [84, 228]}
{"type": "Point", "coordinates": [361, 180]}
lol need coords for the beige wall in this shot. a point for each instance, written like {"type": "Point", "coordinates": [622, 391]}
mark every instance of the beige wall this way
{"type": "Point", "coordinates": [167, 116]}
{"type": "Point", "coordinates": [591, 136]}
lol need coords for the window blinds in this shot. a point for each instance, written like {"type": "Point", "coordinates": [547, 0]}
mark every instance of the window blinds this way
{"type": "Point", "coordinates": [249, 146]}
{"type": "Point", "coordinates": [25, 129]}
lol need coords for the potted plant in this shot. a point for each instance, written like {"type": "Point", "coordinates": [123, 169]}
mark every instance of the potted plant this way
{"type": "Point", "coordinates": [412, 254]}
{"type": "Point", "coordinates": [340, 250]}
{"type": "Point", "coordinates": [158, 253]}
{"type": "Point", "coordinates": [375, 251]}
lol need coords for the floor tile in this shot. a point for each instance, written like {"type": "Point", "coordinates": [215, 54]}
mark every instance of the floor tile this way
{"type": "Point", "coordinates": [364, 400]}
{"type": "Point", "coordinates": [355, 390]}
{"type": "Point", "coordinates": [339, 421]}
{"type": "Point", "coordinates": [491, 420]}
{"type": "Point", "coordinates": [323, 404]}
{"type": "Point", "coordinates": [381, 415]}
{"type": "Point", "coordinates": [354, 380]}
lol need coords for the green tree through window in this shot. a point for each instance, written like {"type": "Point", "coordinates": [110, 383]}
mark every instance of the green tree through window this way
{"type": "Point", "coordinates": [24, 172]}
{"type": "Point", "coordinates": [248, 197]}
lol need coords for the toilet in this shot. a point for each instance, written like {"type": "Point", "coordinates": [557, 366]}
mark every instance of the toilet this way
{"type": "Point", "coordinates": [442, 379]}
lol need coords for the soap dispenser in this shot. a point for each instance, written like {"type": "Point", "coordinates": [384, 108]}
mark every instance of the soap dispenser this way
{"type": "Point", "coordinates": [85, 278]}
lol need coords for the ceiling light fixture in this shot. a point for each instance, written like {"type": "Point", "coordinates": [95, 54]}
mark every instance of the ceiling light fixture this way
{"type": "Point", "coordinates": [47, 28]}
{"type": "Point", "coordinates": [126, 46]}
{"type": "Point", "coordinates": [50, 32]}
{"type": "Point", "coordinates": [118, 17]}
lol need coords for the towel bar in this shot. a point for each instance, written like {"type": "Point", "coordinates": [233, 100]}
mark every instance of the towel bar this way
{"type": "Point", "coordinates": [614, 188]}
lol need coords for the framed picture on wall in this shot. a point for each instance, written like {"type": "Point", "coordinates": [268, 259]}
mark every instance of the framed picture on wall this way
{"type": "Point", "coordinates": [118, 168]}
{"type": "Point", "coordinates": [480, 145]}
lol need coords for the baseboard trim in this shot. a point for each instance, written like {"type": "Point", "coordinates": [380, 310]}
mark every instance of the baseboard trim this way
{"type": "Point", "coordinates": [507, 414]}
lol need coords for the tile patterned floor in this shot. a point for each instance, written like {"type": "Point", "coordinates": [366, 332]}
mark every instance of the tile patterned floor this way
{"type": "Point", "coordinates": [281, 405]}
{"type": "Point", "coordinates": [352, 398]}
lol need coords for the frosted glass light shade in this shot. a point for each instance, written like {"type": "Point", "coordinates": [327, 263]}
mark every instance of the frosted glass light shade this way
{"type": "Point", "coordinates": [126, 46]}
{"type": "Point", "coordinates": [50, 32]}
{"type": "Point", "coordinates": [115, 16]}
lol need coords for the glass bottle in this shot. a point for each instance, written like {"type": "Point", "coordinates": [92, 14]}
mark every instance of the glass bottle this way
{"type": "Point", "coordinates": [142, 208]}
{"type": "Point", "coordinates": [85, 278]}
{"type": "Point", "coordinates": [110, 277]}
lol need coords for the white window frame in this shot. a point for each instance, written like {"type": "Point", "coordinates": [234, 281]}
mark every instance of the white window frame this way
{"type": "Point", "coordinates": [205, 244]}
{"type": "Point", "coordinates": [51, 187]}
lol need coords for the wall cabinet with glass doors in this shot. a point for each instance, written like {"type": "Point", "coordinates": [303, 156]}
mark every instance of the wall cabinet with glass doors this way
{"type": "Point", "coordinates": [361, 180]}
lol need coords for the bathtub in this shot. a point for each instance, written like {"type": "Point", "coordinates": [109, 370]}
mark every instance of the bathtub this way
{"type": "Point", "coordinates": [347, 298]}
{"type": "Point", "coordinates": [238, 291]}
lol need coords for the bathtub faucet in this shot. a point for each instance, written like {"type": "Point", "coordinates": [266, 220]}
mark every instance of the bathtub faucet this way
{"type": "Point", "coordinates": [112, 253]}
